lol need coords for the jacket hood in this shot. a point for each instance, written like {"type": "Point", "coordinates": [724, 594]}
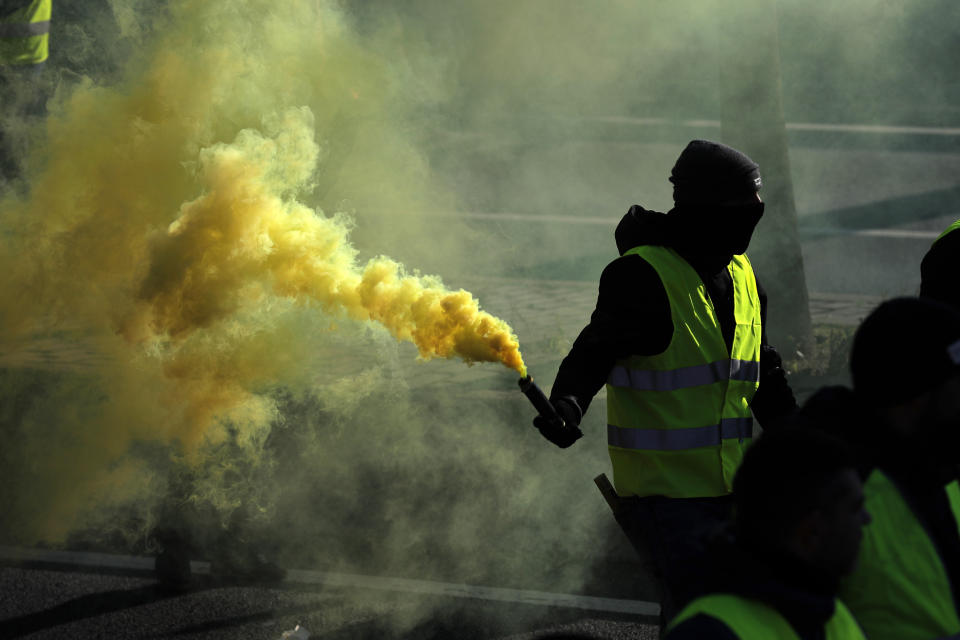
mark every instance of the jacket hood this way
{"type": "Point", "coordinates": [641, 227]}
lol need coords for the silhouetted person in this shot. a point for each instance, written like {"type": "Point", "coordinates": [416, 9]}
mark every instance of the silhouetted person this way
{"type": "Point", "coordinates": [940, 268]}
{"type": "Point", "coordinates": [677, 338]}
{"type": "Point", "coordinates": [905, 365]}
{"type": "Point", "coordinates": [835, 410]}
{"type": "Point", "coordinates": [797, 531]}
{"type": "Point", "coordinates": [24, 49]}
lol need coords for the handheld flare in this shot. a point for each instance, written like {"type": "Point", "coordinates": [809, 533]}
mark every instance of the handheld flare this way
{"type": "Point", "coordinates": [550, 423]}
{"type": "Point", "coordinates": [538, 399]}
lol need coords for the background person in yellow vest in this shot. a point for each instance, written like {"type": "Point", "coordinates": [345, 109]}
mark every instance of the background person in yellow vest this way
{"type": "Point", "coordinates": [24, 49]}
{"type": "Point", "coordinates": [905, 365]}
{"type": "Point", "coordinates": [940, 268]}
{"type": "Point", "coordinates": [677, 337]}
{"type": "Point", "coordinates": [799, 516]}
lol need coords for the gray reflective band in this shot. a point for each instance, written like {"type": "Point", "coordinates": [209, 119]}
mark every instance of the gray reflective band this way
{"type": "Point", "coordinates": [746, 370]}
{"type": "Point", "coordinates": [24, 29]}
{"type": "Point", "coordinates": [680, 439]}
{"type": "Point", "coordinates": [684, 377]}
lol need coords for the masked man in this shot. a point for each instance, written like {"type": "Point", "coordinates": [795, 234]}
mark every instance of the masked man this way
{"type": "Point", "coordinates": [677, 338]}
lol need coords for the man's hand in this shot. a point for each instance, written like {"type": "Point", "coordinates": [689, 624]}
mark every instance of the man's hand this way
{"type": "Point", "coordinates": [563, 432]}
{"type": "Point", "coordinates": [774, 402]}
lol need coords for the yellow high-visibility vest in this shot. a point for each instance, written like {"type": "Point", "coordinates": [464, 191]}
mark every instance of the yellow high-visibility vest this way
{"type": "Point", "coordinates": [753, 620]}
{"type": "Point", "coordinates": [900, 589]}
{"type": "Point", "coordinates": [679, 422]}
{"type": "Point", "coordinates": [950, 229]}
{"type": "Point", "coordinates": [25, 34]}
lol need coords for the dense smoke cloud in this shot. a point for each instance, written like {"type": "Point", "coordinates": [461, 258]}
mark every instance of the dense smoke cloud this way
{"type": "Point", "coordinates": [210, 364]}
{"type": "Point", "coordinates": [163, 225]}
{"type": "Point", "coordinates": [187, 383]}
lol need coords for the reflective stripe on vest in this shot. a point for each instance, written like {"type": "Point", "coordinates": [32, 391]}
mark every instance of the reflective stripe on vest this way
{"type": "Point", "coordinates": [685, 376]}
{"type": "Point", "coordinates": [900, 589]}
{"type": "Point", "coordinates": [677, 422]}
{"type": "Point", "coordinates": [953, 227]}
{"type": "Point", "coordinates": [20, 30]}
{"type": "Point", "coordinates": [679, 439]}
{"type": "Point", "coordinates": [753, 620]}
{"type": "Point", "coordinates": [24, 34]}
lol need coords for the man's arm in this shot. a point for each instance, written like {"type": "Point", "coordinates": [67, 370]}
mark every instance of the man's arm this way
{"type": "Point", "coordinates": [774, 400]}
{"type": "Point", "coordinates": [632, 316]}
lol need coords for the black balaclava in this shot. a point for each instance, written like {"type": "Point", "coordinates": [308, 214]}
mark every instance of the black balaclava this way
{"type": "Point", "coordinates": [715, 202]}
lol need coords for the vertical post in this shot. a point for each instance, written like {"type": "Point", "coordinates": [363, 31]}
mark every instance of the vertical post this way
{"type": "Point", "coordinates": [752, 120]}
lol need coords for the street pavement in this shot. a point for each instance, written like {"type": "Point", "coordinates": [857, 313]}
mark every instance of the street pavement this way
{"type": "Point", "coordinates": [76, 599]}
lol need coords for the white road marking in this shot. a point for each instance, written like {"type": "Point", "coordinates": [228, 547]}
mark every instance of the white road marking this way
{"type": "Point", "coordinates": [522, 596]}
{"type": "Point", "coordinates": [427, 587]}
{"type": "Point", "coordinates": [532, 217]}
{"type": "Point", "coordinates": [912, 234]}
{"type": "Point", "coordinates": [791, 126]}
{"type": "Point", "coordinates": [612, 223]}
{"type": "Point", "coordinates": [897, 233]}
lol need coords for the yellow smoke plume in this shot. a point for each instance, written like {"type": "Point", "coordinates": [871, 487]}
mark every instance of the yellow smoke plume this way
{"type": "Point", "coordinates": [242, 241]}
{"type": "Point", "coordinates": [166, 224]}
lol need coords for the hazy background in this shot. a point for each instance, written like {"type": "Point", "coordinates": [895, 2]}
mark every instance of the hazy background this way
{"type": "Point", "coordinates": [494, 144]}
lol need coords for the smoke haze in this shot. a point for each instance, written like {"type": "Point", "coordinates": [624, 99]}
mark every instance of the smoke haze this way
{"type": "Point", "coordinates": [231, 207]}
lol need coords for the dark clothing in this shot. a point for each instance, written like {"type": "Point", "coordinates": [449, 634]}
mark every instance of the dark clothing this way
{"type": "Point", "coordinates": [939, 271]}
{"type": "Point", "coordinates": [835, 410]}
{"type": "Point", "coordinates": [802, 595]}
{"type": "Point", "coordinates": [712, 172]}
{"type": "Point", "coordinates": [632, 316]}
{"type": "Point", "coordinates": [921, 483]}
{"type": "Point", "coordinates": [671, 535]}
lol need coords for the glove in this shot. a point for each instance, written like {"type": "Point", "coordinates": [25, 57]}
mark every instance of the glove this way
{"type": "Point", "coordinates": [564, 431]}
{"type": "Point", "coordinates": [774, 401]}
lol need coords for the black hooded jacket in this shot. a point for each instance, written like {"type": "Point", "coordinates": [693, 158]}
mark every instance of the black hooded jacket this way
{"type": "Point", "coordinates": [804, 596]}
{"type": "Point", "coordinates": [632, 316]}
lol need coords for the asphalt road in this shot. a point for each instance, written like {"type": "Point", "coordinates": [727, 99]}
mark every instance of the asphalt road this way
{"type": "Point", "coordinates": [77, 596]}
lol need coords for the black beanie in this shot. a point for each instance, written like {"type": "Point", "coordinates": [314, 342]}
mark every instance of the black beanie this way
{"type": "Point", "coordinates": [709, 172]}
{"type": "Point", "coordinates": [905, 347]}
